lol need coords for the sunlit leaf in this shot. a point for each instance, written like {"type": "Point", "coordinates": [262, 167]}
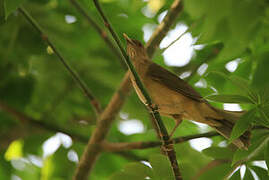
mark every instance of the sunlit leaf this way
{"type": "Point", "coordinates": [14, 150]}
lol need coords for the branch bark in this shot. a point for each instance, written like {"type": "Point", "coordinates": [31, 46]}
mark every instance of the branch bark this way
{"type": "Point", "coordinates": [115, 147]}
{"type": "Point", "coordinates": [24, 119]}
{"type": "Point", "coordinates": [30, 126]}
{"type": "Point", "coordinates": [92, 151]}
{"type": "Point", "coordinates": [106, 146]}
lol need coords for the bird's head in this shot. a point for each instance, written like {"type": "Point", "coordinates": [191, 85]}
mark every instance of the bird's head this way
{"type": "Point", "coordinates": [135, 49]}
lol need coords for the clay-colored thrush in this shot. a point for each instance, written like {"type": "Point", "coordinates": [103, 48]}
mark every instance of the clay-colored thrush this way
{"type": "Point", "coordinates": [176, 98]}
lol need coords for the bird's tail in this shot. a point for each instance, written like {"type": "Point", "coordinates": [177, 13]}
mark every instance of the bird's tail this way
{"type": "Point", "coordinates": [225, 129]}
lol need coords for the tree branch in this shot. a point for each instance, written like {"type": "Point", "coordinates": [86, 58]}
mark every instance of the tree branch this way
{"type": "Point", "coordinates": [99, 30]}
{"type": "Point", "coordinates": [94, 102]}
{"type": "Point", "coordinates": [24, 119]}
{"type": "Point", "coordinates": [92, 149]}
{"type": "Point", "coordinates": [30, 126]}
{"type": "Point", "coordinates": [114, 147]}
{"type": "Point", "coordinates": [91, 152]}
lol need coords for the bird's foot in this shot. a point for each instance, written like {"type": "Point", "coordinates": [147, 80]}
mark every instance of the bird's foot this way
{"type": "Point", "coordinates": [178, 119]}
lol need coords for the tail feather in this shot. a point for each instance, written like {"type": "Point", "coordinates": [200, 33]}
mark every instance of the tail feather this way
{"type": "Point", "coordinates": [226, 127]}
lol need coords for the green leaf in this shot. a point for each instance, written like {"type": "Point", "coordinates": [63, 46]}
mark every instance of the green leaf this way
{"type": "Point", "coordinates": [11, 6]}
{"type": "Point", "coordinates": [236, 176]}
{"type": "Point", "coordinates": [239, 82]}
{"type": "Point", "coordinates": [161, 167]}
{"type": "Point", "coordinates": [255, 151]}
{"type": "Point", "coordinates": [264, 117]}
{"type": "Point", "coordinates": [133, 171]}
{"type": "Point", "coordinates": [248, 175]}
{"type": "Point", "coordinates": [242, 124]}
{"type": "Point", "coordinates": [261, 71]}
{"type": "Point", "coordinates": [242, 84]}
{"type": "Point", "coordinates": [218, 152]}
{"type": "Point", "coordinates": [266, 155]}
{"type": "Point", "coordinates": [228, 98]}
{"type": "Point", "coordinates": [261, 172]}
{"type": "Point", "coordinates": [217, 172]}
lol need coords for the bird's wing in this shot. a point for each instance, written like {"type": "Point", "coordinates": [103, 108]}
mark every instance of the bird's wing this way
{"type": "Point", "coordinates": [171, 81]}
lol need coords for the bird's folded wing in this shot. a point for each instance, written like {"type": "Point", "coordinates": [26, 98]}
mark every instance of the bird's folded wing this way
{"type": "Point", "coordinates": [171, 81]}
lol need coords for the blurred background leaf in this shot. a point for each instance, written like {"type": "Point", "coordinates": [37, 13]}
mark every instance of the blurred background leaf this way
{"type": "Point", "coordinates": [227, 61]}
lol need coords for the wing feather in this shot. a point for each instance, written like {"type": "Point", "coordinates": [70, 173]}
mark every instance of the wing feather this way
{"type": "Point", "coordinates": [171, 81]}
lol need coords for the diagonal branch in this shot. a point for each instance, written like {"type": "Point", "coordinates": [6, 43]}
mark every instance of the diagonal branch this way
{"type": "Point", "coordinates": [162, 131]}
{"type": "Point", "coordinates": [24, 119]}
{"type": "Point", "coordinates": [91, 152]}
{"type": "Point", "coordinates": [30, 126]}
{"type": "Point", "coordinates": [94, 102]}
{"type": "Point", "coordinates": [103, 125]}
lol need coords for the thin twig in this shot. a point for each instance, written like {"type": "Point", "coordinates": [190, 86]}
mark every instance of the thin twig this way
{"type": "Point", "coordinates": [114, 147]}
{"type": "Point", "coordinates": [174, 41]}
{"type": "Point", "coordinates": [164, 27]}
{"type": "Point", "coordinates": [179, 37]}
{"type": "Point", "coordinates": [24, 119]}
{"type": "Point", "coordinates": [99, 30]}
{"type": "Point", "coordinates": [94, 102]}
{"type": "Point", "coordinates": [91, 151]}
{"type": "Point", "coordinates": [109, 27]}
{"type": "Point", "coordinates": [167, 144]}
{"type": "Point", "coordinates": [30, 126]}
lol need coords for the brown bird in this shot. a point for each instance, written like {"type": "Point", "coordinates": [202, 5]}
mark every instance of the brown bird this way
{"type": "Point", "coordinates": [176, 98]}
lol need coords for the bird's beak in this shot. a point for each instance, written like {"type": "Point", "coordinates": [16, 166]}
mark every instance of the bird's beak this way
{"type": "Point", "coordinates": [128, 40]}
